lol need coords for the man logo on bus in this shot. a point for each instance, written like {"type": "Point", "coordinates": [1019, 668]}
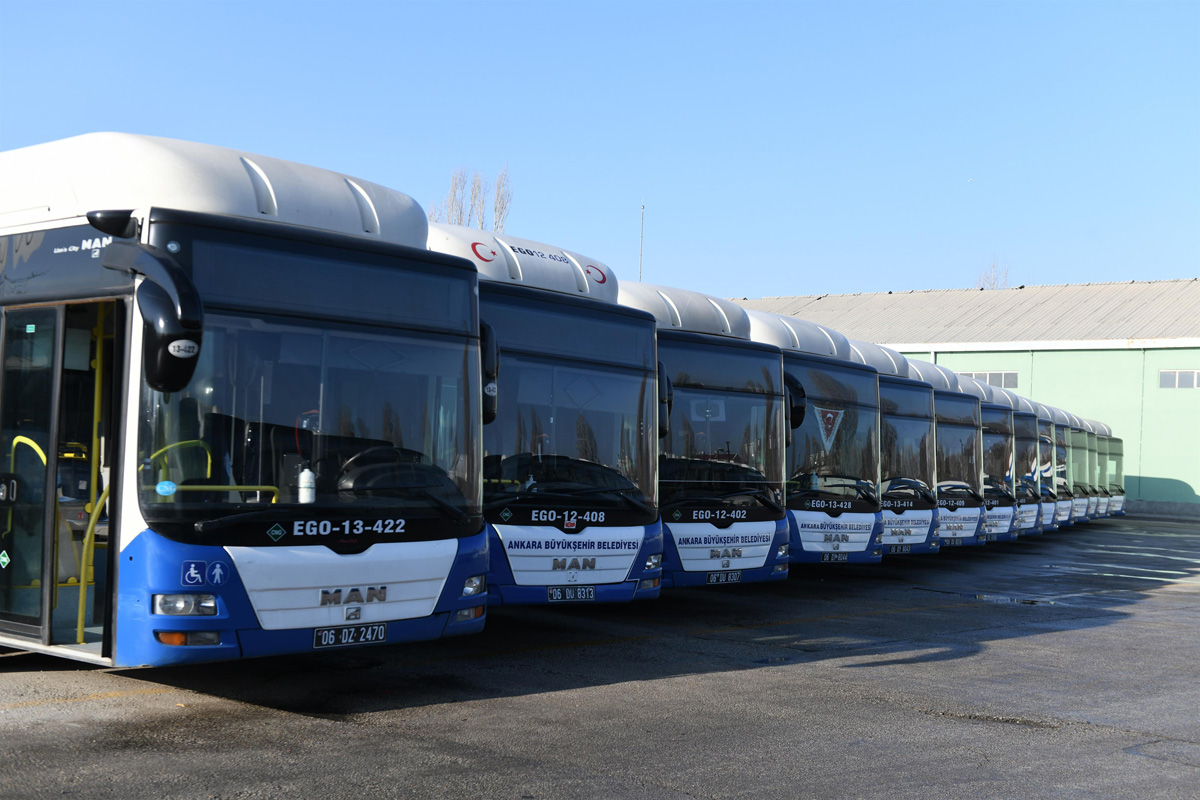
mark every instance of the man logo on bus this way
{"type": "Point", "coordinates": [475, 249]}
{"type": "Point", "coordinates": [574, 563]}
{"type": "Point", "coordinates": [334, 597]}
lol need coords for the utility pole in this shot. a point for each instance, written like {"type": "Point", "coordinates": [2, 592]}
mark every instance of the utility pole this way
{"type": "Point", "coordinates": [641, 238]}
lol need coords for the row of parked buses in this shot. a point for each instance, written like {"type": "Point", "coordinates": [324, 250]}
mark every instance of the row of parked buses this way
{"type": "Point", "coordinates": [249, 407]}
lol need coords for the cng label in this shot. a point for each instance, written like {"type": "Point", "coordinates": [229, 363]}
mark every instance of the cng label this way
{"type": "Point", "coordinates": [4, 559]}
{"type": "Point", "coordinates": [276, 532]}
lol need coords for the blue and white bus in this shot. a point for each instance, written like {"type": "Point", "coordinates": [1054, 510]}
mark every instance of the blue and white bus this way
{"type": "Point", "coordinates": [1084, 504]}
{"type": "Point", "coordinates": [1064, 488]}
{"type": "Point", "coordinates": [832, 488]}
{"type": "Point", "coordinates": [239, 409]}
{"type": "Point", "coordinates": [1097, 453]}
{"type": "Point", "coordinates": [1115, 475]}
{"type": "Point", "coordinates": [570, 462]}
{"type": "Point", "coordinates": [1026, 462]}
{"type": "Point", "coordinates": [959, 444]}
{"type": "Point", "coordinates": [720, 470]}
{"type": "Point", "coordinates": [996, 414]}
{"type": "Point", "coordinates": [907, 454]}
{"type": "Point", "coordinates": [1047, 467]}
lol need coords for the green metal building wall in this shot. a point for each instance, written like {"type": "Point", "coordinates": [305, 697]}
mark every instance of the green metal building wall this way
{"type": "Point", "coordinates": [1160, 427]}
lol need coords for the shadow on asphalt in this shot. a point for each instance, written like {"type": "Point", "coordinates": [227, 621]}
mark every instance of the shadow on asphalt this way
{"type": "Point", "coordinates": [906, 611]}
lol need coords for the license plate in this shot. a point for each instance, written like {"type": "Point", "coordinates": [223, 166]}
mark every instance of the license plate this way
{"type": "Point", "coordinates": [987, 537]}
{"type": "Point", "coordinates": [835, 556]}
{"type": "Point", "coordinates": [951, 542]}
{"type": "Point", "coordinates": [724, 577]}
{"type": "Point", "coordinates": [570, 594]}
{"type": "Point", "coordinates": [349, 635]}
{"type": "Point", "coordinates": [899, 548]}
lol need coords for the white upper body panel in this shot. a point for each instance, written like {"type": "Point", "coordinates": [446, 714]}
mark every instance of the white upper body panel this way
{"type": "Point", "coordinates": [791, 334]}
{"type": "Point", "coordinates": [884, 359]}
{"type": "Point", "coordinates": [685, 310]}
{"type": "Point", "coordinates": [934, 374]}
{"type": "Point", "coordinates": [508, 259]}
{"type": "Point", "coordinates": [68, 178]}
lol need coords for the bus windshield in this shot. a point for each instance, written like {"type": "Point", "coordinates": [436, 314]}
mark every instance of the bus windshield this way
{"type": "Point", "coordinates": [723, 446]}
{"type": "Point", "coordinates": [1025, 455]}
{"type": "Point", "coordinates": [1116, 466]}
{"type": "Point", "coordinates": [377, 423]}
{"type": "Point", "coordinates": [1063, 487]}
{"type": "Point", "coordinates": [574, 426]}
{"type": "Point", "coordinates": [1079, 462]}
{"type": "Point", "coordinates": [1047, 470]}
{"type": "Point", "coordinates": [998, 454]}
{"type": "Point", "coordinates": [959, 450]}
{"type": "Point", "coordinates": [906, 452]}
{"type": "Point", "coordinates": [835, 451]}
{"type": "Point", "coordinates": [573, 434]}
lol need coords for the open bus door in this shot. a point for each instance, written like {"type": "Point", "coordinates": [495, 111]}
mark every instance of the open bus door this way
{"type": "Point", "coordinates": [55, 445]}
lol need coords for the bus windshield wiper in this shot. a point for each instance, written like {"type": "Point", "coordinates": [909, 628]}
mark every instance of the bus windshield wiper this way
{"type": "Point", "coordinates": [864, 488]}
{"type": "Point", "coordinates": [761, 495]}
{"type": "Point", "coordinates": [206, 525]}
{"type": "Point", "coordinates": [535, 491]}
{"type": "Point", "coordinates": [306, 511]}
{"type": "Point", "coordinates": [1002, 491]}
{"type": "Point", "coordinates": [957, 489]}
{"type": "Point", "coordinates": [447, 508]}
{"type": "Point", "coordinates": [918, 487]}
{"type": "Point", "coordinates": [616, 491]}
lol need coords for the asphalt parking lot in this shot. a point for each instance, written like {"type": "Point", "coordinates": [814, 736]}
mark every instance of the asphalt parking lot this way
{"type": "Point", "coordinates": [1064, 665]}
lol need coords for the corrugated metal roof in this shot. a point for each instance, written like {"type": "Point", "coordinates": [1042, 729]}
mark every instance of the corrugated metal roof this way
{"type": "Point", "coordinates": [1072, 312]}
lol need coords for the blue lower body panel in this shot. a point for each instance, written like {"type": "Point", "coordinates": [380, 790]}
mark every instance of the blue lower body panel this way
{"type": "Point", "coordinates": [152, 564]}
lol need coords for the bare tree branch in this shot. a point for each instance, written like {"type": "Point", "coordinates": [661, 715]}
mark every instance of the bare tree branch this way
{"type": "Point", "coordinates": [477, 212]}
{"type": "Point", "coordinates": [459, 208]}
{"type": "Point", "coordinates": [502, 202]}
{"type": "Point", "coordinates": [454, 197]}
{"type": "Point", "coordinates": [994, 277]}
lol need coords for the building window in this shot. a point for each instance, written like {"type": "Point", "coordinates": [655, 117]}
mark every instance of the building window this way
{"type": "Point", "coordinates": [1179, 379]}
{"type": "Point", "coordinates": [1005, 380]}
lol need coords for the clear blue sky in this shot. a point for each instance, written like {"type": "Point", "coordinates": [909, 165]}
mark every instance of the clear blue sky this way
{"type": "Point", "coordinates": [780, 148]}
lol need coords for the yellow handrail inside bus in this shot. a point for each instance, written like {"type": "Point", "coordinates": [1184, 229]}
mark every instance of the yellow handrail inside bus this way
{"type": "Point", "coordinates": [274, 490]}
{"type": "Point", "coordinates": [187, 443]}
{"type": "Point", "coordinates": [12, 467]}
{"type": "Point", "coordinates": [97, 396]}
{"type": "Point", "coordinates": [25, 440]}
{"type": "Point", "coordinates": [86, 569]}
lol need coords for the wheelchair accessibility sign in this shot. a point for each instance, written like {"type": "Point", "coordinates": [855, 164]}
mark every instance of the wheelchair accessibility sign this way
{"type": "Point", "coordinates": [200, 573]}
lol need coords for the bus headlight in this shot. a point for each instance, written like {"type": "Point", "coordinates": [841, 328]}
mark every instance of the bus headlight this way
{"type": "Point", "coordinates": [654, 561]}
{"type": "Point", "coordinates": [185, 605]}
{"type": "Point", "coordinates": [476, 584]}
{"type": "Point", "coordinates": [783, 551]}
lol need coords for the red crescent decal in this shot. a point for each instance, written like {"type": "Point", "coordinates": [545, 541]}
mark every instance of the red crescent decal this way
{"type": "Point", "coordinates": [602, 279]}
{"type": "Point", "coordinates": [475, 249]}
